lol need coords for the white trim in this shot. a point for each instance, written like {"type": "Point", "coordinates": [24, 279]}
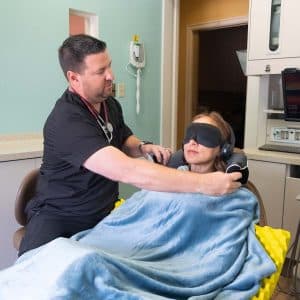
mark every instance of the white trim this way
{"type": "Point", "coordinates": [224, 23]}
{"type": "Point", "coordinates": [192, 42]}
{"type": "Point", "coordinates": [169, 73]}
{"type": "Point", "coordinates": [91, 23]}
{"type": "Point", "coordinates": [175, 59]}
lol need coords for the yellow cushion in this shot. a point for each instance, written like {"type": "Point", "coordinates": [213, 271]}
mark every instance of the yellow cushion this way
{"type": "Point", "coordinates": [275, 242]}
{"type": "Point", "coordinates": [119, 202]}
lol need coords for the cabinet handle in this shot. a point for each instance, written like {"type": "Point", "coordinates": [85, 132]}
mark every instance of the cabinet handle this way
{"type": "Point", "coordinates": [298, 197]}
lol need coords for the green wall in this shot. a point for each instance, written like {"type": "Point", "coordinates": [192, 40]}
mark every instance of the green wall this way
{"type": "Point", "coordinates": [31, 80]}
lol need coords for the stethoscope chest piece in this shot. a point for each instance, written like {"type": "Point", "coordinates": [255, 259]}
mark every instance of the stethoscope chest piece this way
{"type": "Point", "coordinates": [109, 127]}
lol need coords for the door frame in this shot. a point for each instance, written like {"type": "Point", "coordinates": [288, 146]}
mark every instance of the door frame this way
{"type": "Point", "coordinates": [169, 72]}
{"type": "Point", "coordinates": [91, 21]}
{"type": "Point", "coordinates": [192, 60]}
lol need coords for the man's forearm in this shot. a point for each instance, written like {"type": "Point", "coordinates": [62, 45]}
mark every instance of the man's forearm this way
{"type": "Point", "coordinates": [146, 175]}
{"type": "Point", "coordinates": [115, 165]}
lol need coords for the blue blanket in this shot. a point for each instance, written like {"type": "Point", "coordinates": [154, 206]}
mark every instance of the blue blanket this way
{"type": "Point", "coordinates": [155, 246]}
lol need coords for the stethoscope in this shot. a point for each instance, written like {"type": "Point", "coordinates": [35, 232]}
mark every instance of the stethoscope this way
{"type": "Point", "coordinates": [105, 126]}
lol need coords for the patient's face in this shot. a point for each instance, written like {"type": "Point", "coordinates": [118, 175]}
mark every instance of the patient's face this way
{"type": "Point", "coordinates": [197, 154]}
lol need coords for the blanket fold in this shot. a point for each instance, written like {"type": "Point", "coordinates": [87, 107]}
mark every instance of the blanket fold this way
{"type": "Point", "coordinates": [155, 246]}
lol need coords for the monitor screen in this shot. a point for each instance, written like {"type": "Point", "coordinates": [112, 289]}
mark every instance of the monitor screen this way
{"type": "Point", "coordinates": [291, 94]}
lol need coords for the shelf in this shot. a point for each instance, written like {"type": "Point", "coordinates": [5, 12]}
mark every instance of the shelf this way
{"type": "Point", "coordinates": [273, 111]}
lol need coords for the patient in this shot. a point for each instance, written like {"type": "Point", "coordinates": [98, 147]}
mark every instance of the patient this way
{"type": "Point", "coordinates": [207, 143]}
{"type": "Point", "coordinates": [157, 245]}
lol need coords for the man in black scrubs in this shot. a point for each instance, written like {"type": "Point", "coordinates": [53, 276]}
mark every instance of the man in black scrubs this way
{"type": "Point", "coordinates": [88, 149]}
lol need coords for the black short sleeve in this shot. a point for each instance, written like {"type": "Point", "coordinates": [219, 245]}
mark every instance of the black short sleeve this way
{"type": "Point", "coordinates": [71, 136]}
{"type": "Point", "coordinates": [73, 133]}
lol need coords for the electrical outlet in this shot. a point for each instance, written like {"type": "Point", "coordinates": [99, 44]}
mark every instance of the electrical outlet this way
{"type": "Point", "coordinates": [121, 89]}
{"type": "Point", "coordinates": [113, 92]}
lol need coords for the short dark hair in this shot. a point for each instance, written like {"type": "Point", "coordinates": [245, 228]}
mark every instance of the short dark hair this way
{"type": "Point", "coordinates": [75, 48]}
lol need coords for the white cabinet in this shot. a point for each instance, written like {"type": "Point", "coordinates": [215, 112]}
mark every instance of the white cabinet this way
{"type": "Point", "coordinates": [279, 186]}
{"type": "Point", "coordinates": [11, 174]}
{"type": "Point", "coordinates": [263, 56]}
{"type": "Point", "coordinates": [269, 178]}
{"type": "Point", "coordinates": [291, 215]}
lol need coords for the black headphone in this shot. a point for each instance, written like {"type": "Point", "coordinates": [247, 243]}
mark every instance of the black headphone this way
{"type": "Point", "coordinates": [228, 146]}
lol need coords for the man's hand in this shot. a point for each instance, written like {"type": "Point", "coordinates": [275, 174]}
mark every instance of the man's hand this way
{"type": "Point", "coordinates": [161, 154]}
{"type": "Point", "coordinates": [219, 183]}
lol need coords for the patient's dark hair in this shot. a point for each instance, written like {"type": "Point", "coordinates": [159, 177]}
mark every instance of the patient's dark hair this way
{"type": "Point", "coordinates": [225, 130]}
{"type": "Point", "coordinates": [74, 50]}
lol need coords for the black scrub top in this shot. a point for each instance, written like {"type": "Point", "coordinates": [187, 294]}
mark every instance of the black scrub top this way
{"type": "Point", "coordinates": [71, 135]}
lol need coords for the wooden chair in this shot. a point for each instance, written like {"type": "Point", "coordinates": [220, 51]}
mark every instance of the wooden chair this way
{"type": "Point", "coordinates": [263, 217]}
{"type": "Point", "coordinates": [25, 192]}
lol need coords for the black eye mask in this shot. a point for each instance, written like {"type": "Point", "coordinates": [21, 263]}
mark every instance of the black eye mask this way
{"type": "Point", "coordinates": [204, 134]}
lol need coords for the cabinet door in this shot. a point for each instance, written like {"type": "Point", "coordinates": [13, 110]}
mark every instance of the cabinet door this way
{"type": "Point", "coordinates": [291, 215]}
{"type": "Point", "coordinates": [37, 162]}
{"type": "Point", "coordinates": [259, 30]}
{"type": "Point", "coordinates": [269, 178]}
{"type": "Point", "coordinates": [262, 60]}
{"type": "Point", "coordinates": [11, 174]}
{"type": "Point", "coordinates": [289, 45]}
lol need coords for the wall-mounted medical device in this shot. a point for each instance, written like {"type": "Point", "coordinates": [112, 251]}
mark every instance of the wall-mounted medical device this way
{"type": "Point", "coordinates": [138, 61]}
{"type": "Point", "coordinates": [137, 54]}
{"type": "Point", "coordinates": [283, 119]}
{"type": "Point", "coordinates": [285, 135]}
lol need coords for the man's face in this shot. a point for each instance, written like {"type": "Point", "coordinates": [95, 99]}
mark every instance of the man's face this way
{"type": "Point", "coordinates": [96, 78]}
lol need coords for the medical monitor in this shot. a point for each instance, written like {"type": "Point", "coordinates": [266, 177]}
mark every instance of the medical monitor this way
{"type": "Point", "coordinates": [291, 94]}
